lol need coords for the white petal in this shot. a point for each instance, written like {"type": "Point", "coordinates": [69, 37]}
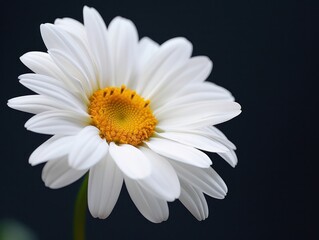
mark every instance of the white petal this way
{"type": "Point", "coordinates": [54, 148]}
{"type": "Point", "coordinates": [37, 153]}
{"type": "Point", "coordinates": [152, 208]}
{"type": "Point", "coordinates": [201, 67]}
{"type": "Point", "coordinates": [197, 115]}
{"type": "Point", "coordinates": [105, 183]}
{"type": "Point", "coordinates": [163, 182]}
{"type": "Point", "coordinates": [98, 43]}
{"type": "Point", "coordinates": [130, 160]}
{"type": "Point", "coordinates": [189, 98]}
{"type": "Point", "coordinates": [180, 94]}
{"type": "Point", "coordinates": [123, 48]}
{"type": "Point", "coordinates": [56, 38]}
{"type": "Point", "coordinates": [213, 133]}
{"type": "Point", "coordinates": [215, 130]}
{"type": "Point", "coordinates": [230, 157]}
{"type": "Point", "coordinates": [57, 122]}
{"type": "Point", "coordinates": [195, 140]}
{"type": "Point", "coordinates": [179, 152]}
{"type": "Point", "coordinates": [58, 173]}
{"type": "Point", "coordinates": [146, 49]}
{"type": "Point", "coordinates": [205, 108]}
{"type": "Point", "coordinates": [205, 179]}
{"type": "Point", "coordinates": [169, 57]}
{"type": "Point", "coordinates": [207, 132]}
{"type": "Point", "coordinates": [194, 69]}
{"type": "Point", "coordinates": [194, 200]}
{"type": "Point", "coordinates": [53, 88]}
{"type": "Point", "coordinates": [88, 148]}
{"type": "Point", "coordinates": [73, 27]}
{"type": "Point", "coordinates": [218, 92]}
{"type": "Point", "coordinates": [35, 104]}
{"type": "Point", "coordinates": [53, 68]}
{"type": "Point", "coordinates": [41, 63]}
{"type": "Point", "coordinates": [213, 136]}
{"type": "Point", "coordinates": [75, 73]}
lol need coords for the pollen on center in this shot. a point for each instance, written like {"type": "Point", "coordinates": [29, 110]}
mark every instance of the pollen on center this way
{"type": "Point", "coordinates": [121, 115]}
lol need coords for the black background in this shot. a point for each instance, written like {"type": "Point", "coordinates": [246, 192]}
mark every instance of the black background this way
{"type": "Point", "coordinates": [264, 52]}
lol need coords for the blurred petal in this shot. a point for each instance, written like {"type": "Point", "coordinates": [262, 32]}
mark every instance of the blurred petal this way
{"type": "Point", "coordinates": [54, 148]}
{"type": "Point", "coordinates": [152, 208]}
{"type": "Point", "coordinates": [205, 179]}
{"type": "Point", "coordinates": [194, 200]}
{"type": "Point", "coordinates": [58, 173]}
{"type": "Point", "coordinates": [88, 149]}
{"type": "Point", "coordinates": [163, 181]}
{"type": "Point", "coordinates": [105, 183]}
{"type": "Point", "coordinates": [130, 160]}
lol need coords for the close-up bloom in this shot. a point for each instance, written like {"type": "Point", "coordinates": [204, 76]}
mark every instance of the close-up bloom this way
{"type": "Point", "coordinates": [125, 109]}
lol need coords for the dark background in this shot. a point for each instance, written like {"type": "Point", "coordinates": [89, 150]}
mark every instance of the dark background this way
{"type": "Point", "coordinates": [264, 52]}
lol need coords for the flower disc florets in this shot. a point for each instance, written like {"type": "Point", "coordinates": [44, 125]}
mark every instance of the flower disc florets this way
{"type": "Point", "coordinates": [121, 115]}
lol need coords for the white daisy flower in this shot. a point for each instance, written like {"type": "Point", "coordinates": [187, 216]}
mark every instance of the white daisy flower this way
{"type": "Point", "coordinates": [124, 109]}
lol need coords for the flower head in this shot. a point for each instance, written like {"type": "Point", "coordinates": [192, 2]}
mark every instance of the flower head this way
{"type": "Point", "coordinates": [124, 109]}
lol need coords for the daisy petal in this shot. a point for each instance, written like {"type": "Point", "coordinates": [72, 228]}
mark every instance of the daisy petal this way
{"type": "Point", "coordinates": [163, 182]}
{"type": "Point", "coordinates": [75, 73]}
{"type": "Point", "coordinates": [194, 200]}
{"type": "Point", "coordinates": [57, 122]}
{"type": "Point", "coordinates": [205, 108]}
{"type": "Point", "coordinates": [230, 157]}
{"type": "Point", "coordinates": [197, 115]}
{"type": "Point", "coordinates": [58, 173]}
{"type": "Point", "coordinates": [152, 208]}
{"type": "Point", "coordinates": [190, 98]}
{"type": "Point", "coordinates": [130, 160]}
{"type": "Point", "coordinates": [207, 132]}
{"type": "Point", "coordinates": [205, 179]}
{"type": "Point", "coordinates": [53, 88]}
{"type": "Point", "coordinates": [171, 54]}
{"type": "Point", "coordinates": [98, 41]}
{"type": "Point", "coordinates": [205, 87]}
{"type": "Point", "coordinates": [179, 152]}
{"type": "Point", "coordinates": [41, 63]}
{"type": "Point", "coordinates": [37, 153]}
{"type": "Point", "coordinates": [123, 47]}
{"type": "Point", "coordinates": [217, 134]}
{"type": "Point", "coordinates": [213, 133]}
{"type": "Point", "coordinates": [77, 32]}
{"type": "Point", "coordinates": [200, 68]}
{"type": "Point", "coordinates": [146, 49]}
{"type": "Point", "coordinates": [217, 138]}
{"type": "Point", "coordinates": [190, 93]}
{"type": "Point", "coordinates": [195, 69]}
{"type": "Point", "coordinates": [73, 27]}
{"type": "Point", "coordinates": [105, 183]}
{"type": "Point", "coordinates": [88, 149]}
{"type": "Point", "coordinates": [35, 104]}
{"type": "Point", "coordinates": [54, 148]}
{"type": "Point", "coordinates": [56, 38]}
{"type": "Point", "coordinates": [195, 140]}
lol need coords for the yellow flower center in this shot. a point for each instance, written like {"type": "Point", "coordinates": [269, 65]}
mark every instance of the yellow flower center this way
{"type": "Point", "coordinates": [121, 115]}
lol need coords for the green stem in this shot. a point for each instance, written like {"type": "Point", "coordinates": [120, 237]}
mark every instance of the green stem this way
{"type": "Point", "coordinates": [80, 211]}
